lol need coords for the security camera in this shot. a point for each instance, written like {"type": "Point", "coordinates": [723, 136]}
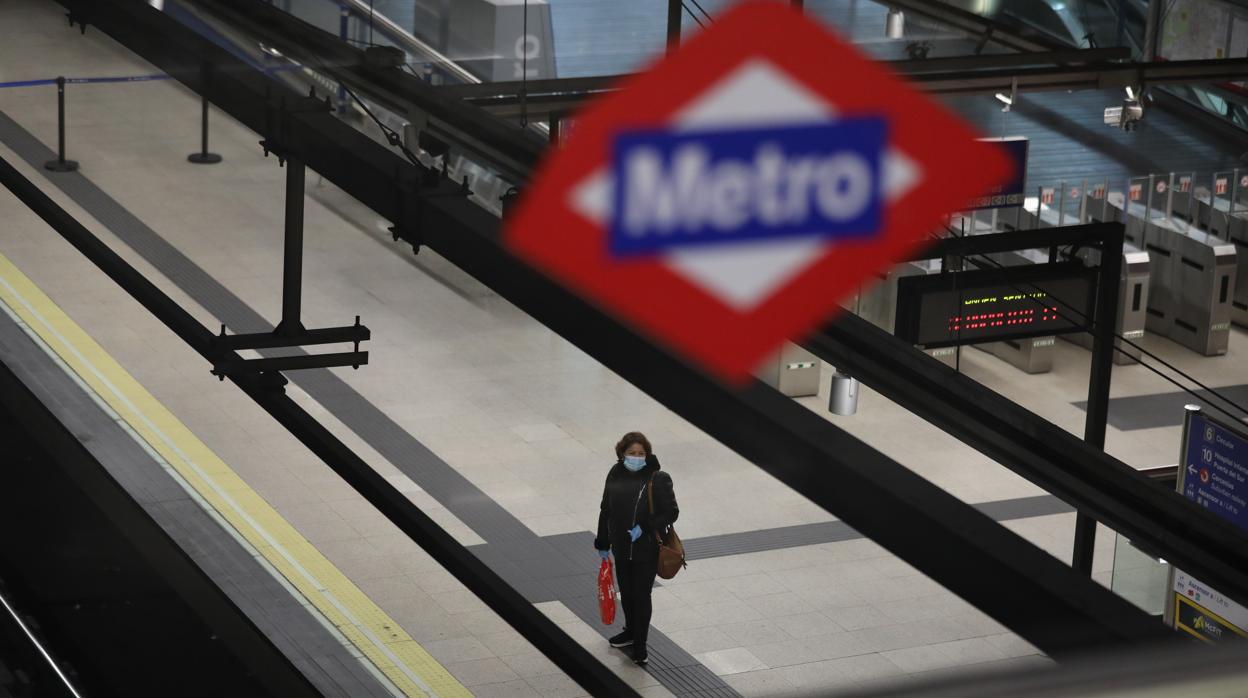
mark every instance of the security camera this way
{"type": "Point", "coordinates": [1128, 116]}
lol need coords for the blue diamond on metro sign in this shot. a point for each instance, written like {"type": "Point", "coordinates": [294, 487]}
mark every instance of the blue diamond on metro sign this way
{"type": "Point", "coordinates": [728, 198]}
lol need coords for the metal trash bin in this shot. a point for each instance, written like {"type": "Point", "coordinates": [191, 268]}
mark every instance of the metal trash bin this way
{"type": "Point", "coordinates": [794, 372]}
{"type": "Point", "coordinates": [843, 395]}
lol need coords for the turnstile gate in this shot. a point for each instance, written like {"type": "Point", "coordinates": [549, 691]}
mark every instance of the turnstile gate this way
{"type": "Point", "coordinates": [1192, 276]}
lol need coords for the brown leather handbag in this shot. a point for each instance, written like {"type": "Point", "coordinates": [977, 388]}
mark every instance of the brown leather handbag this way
{"type": "Point", "coordinates": [671, 550]}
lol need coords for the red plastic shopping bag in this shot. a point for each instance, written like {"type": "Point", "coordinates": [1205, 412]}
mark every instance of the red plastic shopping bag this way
{"type": "Point", "coordinates": [606, 592]}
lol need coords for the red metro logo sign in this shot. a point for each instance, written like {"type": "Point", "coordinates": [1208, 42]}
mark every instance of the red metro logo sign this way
{"type": "Point", "coordinates": [729, 197]}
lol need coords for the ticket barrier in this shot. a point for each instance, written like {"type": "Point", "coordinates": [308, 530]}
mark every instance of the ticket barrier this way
{"type": "Point", "coordinates": [793, 371]}
{"type": "Point", "coordinates": [1132, 292]}
{"type": "Point", "coordinates": [1191, 277]}
{"type": "Point", "coordinates": [877, 303]}
{"type": "Point", "coordinates": [1132, 302]}
{"type": "Point", "coordinates": [1214, 215]}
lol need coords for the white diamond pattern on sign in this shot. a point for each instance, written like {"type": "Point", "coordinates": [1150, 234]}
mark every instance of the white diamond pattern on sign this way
{"type": "Point", "coordinates": [744, 275]}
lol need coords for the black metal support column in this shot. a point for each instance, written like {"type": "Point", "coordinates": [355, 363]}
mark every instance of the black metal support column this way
{"type": "Point", "coordinates": [1106, 320]}
{"type": "Point", "coordinates": [60, 164]}
{"type": "Point", "coordinates": [203, 157]}
{"type": "Point", "coordinates": [674, 8]}
{"type": "Point", "coordinates": [292, 258]}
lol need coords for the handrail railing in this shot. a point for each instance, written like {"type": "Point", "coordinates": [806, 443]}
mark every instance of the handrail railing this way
{"type": "Point", "coordinates": [405, 39]}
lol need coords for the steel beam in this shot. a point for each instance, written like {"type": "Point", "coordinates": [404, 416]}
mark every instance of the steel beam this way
{"type": "Point", "coordinates": [323, 335]}
{"type": "Point", "coordinates": [227, 366]}
{"type": "Point", "coordinates": [502, 99]}
{"type": "Point", "coordinates": [292, 252]}
{"type": "Point", "coordinates": [976, 25]}
{"type": "Point", "coordinates": [1003, 574]}
{"type": "Point", "coordinates": [579, 87]}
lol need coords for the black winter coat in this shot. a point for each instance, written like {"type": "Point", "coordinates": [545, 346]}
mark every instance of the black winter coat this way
{"type": "Point", "coordinates": [625, 504]}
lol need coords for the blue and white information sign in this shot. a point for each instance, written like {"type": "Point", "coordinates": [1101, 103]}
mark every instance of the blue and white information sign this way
{"type": "Point", "coordinates": [1215, 469]}
{"type": "Point", "coordinates": [1214, 475]}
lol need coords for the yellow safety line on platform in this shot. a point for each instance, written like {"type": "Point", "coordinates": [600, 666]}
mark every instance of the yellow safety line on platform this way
{"type": "Point", "coordinates": [400, 658]}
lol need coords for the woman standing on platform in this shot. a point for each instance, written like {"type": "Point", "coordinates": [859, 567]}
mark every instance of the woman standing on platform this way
{"type": "Point", "coordinates": [627, 528]}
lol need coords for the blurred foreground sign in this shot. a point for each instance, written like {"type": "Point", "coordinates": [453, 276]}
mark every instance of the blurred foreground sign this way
{"type": "Point", "coordinates": [729, 197]}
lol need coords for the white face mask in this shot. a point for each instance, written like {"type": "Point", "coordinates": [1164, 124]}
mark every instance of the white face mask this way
{"type": "Point", "coordinates": [634, 463]}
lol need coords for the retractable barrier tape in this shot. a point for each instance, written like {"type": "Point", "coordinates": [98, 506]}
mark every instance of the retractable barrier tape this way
{"type": "Point", "coordinates": [123, 78]}
{"type": "Point", "coordinates": [84, 81]}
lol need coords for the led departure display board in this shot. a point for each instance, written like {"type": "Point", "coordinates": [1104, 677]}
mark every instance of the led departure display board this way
{"type": "Point", "coordinates": [989, 305]}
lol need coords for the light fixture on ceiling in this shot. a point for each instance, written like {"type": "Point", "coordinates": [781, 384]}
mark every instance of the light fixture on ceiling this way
{"type": "Point", "coordinates": [1008, 100]}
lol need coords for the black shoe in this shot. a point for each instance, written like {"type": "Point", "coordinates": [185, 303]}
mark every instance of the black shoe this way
{"type": "Point", "coordinates": [640, 656]}
{"type": "Point", "coordinates": [623, 639]}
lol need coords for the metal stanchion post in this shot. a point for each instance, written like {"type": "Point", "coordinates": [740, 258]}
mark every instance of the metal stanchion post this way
{"type": "Point", "coordinates": [60, 164]}
{"type": "Point", "coordinates": [673, 24]}
{"type": "Point", "coordinates": [344, 24]}
{"type": "Point", "coordinates": [1061, 203]}
{"type": "Point", "coordinates": [203, 157]}
{"type": "Point", "coordinates": [1083, 202]}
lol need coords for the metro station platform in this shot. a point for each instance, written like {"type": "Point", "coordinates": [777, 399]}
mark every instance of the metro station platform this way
{"type": "Point", "coordinates": [496, 427]}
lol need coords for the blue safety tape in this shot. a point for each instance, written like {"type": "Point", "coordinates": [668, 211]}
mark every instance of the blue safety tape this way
{"type": "Point", "coordinates": [27, 83]}
{"type": "Point", "coordinates": [125, 78]}
{"type": "Point", "coordinates": [128, 78]}
{"type": "Point", "coordinates": [83, 81]}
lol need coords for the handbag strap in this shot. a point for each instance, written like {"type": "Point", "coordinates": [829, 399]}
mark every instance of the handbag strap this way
{"type": "Point", "coordinates": [650, 495]}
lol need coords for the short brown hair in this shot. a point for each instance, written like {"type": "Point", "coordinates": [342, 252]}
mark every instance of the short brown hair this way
{"type": "Point", "coordinates": [632, 437]}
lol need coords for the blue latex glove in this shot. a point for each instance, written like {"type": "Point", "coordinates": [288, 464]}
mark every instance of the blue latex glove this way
{"type": "Point", "coordinates": [604, 554]}
{"type": "Point", "coordinates": [634, 533]}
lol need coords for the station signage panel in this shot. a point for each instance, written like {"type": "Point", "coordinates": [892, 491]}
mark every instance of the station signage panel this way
{"type": "Point", "coordinates": [1214, 475]}
{"type": "Point", "coordinates": [971, 307]}
{"type": "Point", "coordinates": [728, 198]}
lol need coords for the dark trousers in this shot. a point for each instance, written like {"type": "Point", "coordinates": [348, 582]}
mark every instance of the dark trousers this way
{"type": "Point", "coordinates": [635, 578]}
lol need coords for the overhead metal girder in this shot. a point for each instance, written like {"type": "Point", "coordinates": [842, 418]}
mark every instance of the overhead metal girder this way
{"type": "Point", "coordinates": [1006, 576]}
{"type": "Point", "coordinates": [556, 96]}
{"type": "Point", "coordinates": [976, 25]}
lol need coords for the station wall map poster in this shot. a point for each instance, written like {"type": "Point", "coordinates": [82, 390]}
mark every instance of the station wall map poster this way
{"type": "Point", "coordinates": [1214, 475]}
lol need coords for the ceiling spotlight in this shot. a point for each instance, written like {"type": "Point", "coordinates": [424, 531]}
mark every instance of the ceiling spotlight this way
{"type": "Point", "coordinates": [1008, 100]}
